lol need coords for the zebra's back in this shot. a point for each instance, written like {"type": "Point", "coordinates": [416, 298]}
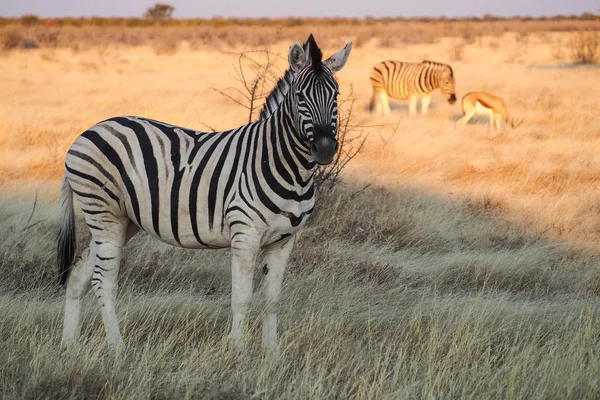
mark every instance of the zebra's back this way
{"type": "Point", "coordinates": [401, 80]}
{"type": "Point", "coordinates": [168, 180]}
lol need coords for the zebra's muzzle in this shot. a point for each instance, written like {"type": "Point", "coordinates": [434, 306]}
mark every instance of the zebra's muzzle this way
{"type": "Point", "coordinates": [452, 99]}
{"type": "Point", "coordinates": [323, 150]}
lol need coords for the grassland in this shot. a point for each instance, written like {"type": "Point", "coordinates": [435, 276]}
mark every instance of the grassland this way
{"type": "Point", "coordinates": [469, 268]}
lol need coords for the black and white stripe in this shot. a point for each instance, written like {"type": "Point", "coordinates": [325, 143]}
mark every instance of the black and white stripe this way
{"type": "Point", "coordinates": [249, 188]}
{"type": "Point", "coordinates": [405, 80]}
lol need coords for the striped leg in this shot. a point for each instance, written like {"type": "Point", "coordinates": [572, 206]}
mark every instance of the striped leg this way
{"type": "Point", "coordinates": [109, 248]}
{"type": "Point", "coordinates": [77, 286]}
{"type": "Point", "coordinates": [244, 251]}
{"type": "Point", "coordinates": [275, 261]}
{"type": "Point", "coordinates": [425, 105]}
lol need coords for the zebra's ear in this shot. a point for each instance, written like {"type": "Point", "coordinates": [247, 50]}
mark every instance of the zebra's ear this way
{"type": "Point", "coordinates": [297, 58]}
{"type": "Point", "coordinates": [337, 61]}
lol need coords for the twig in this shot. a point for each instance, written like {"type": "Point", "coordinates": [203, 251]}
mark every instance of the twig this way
{"type": "Point", "coordinates": [34, 224]}
{"type": "Point", "coordinates": [386, 142]}
{"type": "Point", "coordinates": [207, 126]}
{"type": "Point", "coordinates": [33, 208]}
{"type": "Point", "coordinates": [353, 195]}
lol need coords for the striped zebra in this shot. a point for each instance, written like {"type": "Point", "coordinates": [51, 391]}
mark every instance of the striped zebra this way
{"type": "Point", "coordinates": [249, 189]}
{"type": "Point", "coordinates": [413, 81]}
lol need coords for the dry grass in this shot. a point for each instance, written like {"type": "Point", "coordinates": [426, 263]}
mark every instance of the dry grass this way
{"type": "Point", "coordinates": [469, 269]}
{"type": "Point", "coordinates": [431, 298]}
{"type": "Point", "coordinates": [235, 33]}
{"type": "Point", "coordinates": [585, 48]}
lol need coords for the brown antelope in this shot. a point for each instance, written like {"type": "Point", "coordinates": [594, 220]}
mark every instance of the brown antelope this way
{"type": "Point", "coordinates": [484, 103]}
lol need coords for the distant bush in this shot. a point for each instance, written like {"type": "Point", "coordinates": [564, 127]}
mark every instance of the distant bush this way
{"type": "Point", "coordinates": [159, 11]}
{"type": "Point", "coordinates": [10, 39]}
{"type": "Point", "coordinates": [29, 20]}
{"type": "Point", "coordinates": [584, 47]}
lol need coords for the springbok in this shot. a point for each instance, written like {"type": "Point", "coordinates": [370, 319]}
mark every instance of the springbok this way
{"type": "Point", "coordinates": [484, 103]}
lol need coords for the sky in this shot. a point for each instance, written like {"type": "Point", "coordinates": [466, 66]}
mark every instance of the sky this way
{"type": "Point", "coordinates": [298, 8]}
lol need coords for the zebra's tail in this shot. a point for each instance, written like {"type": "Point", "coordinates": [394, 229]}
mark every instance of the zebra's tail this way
{"type": "Point", "coordinates": [66, 232]}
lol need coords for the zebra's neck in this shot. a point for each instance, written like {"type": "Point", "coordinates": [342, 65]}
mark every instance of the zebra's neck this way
{"type": "Point", "coordinates": [292, 147]}
{"type": "Point", "coordinates": [277, 95]}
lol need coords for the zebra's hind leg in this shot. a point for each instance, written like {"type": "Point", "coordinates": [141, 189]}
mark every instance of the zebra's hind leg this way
{"type": "Point", "coordinates": [498, 123]}
{"type": "Point", "coordinates": [109, 249]}
{"type": "Point", "coordinates": [275, 260]}
{"type": "Point", "coordinates": [77, 287]}
{"type": "Point", "coordinates": [245, 246]}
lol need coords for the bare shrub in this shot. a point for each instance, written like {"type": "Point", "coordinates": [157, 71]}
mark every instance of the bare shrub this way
{"type": "Point", "coordinates": [584, 47]}
{"type": "Point", "coordinates": [10, 39]}
{"type": "Point", "coordinates": [257, 74]}
{"type": "Point", "coordinates": [47, 37]}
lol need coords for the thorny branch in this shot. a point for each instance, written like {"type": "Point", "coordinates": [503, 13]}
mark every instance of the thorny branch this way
{"type": "Point", "coordinates": [256, 83]}
{"type": "Point", "coordinates": [257, 74]}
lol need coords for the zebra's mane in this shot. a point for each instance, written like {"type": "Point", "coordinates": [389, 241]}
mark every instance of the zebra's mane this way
{"type": "Point", "coordinates": [315, 53]}
{"type": "Point", "coordinates": [275, 98]}
{"type": "Point", "coordinates": [439, 64]}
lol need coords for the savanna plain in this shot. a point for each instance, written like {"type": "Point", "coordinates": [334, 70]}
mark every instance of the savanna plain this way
{"type": "Point", "coordinates": [447, 264]}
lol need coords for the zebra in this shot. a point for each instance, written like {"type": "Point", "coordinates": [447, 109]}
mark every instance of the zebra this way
{"type": "Point", "coordinates": [413, 81]}
{"type": "Point", "coordinates": [250, 189]}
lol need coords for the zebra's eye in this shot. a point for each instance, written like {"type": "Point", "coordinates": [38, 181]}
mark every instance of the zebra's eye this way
{"type": "Point", "coordinates": [300, 95]}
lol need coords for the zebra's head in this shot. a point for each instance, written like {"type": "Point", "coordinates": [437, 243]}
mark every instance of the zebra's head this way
{"type": "Point", "coordinates": [448, 85]}
{"type": "Point", "coordinates": [314, 94]}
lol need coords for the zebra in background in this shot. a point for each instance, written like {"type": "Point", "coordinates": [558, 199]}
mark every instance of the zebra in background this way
{"type": "Point", "coordinates": [250, 189]}
{"type": "Point", "coordinates": [413, 81]}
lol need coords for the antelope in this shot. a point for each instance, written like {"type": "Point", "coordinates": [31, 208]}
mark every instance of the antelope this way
{"type": "Point", "coordinates": [484, 103]}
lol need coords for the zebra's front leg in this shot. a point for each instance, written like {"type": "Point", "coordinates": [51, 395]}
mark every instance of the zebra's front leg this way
{"type": "Point", "coordinates": [275, 261]}
{"type": "Point", "coordinates": [425, 105]}
{"type": "Point", "coordinates": [245, 246]}
{"type": "Point", "coordinates": [412, 106]}
{"type": "Point", "coordinates": [77, 286]}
